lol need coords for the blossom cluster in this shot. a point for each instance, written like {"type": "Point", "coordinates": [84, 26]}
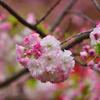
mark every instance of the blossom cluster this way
{"type": "Point", "coordinates": [45, 59]}
{"type": "Point", "coordinates": [95, 35]}
{"type": "Point", "coordinates": [95, 43]}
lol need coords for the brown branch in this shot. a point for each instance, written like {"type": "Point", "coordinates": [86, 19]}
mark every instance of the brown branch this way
{"type": "Point", "coordinates": [62, 15]}
{"type": "Point", "coordinates": [13, 78]}
{"type": "Point", "coordinates": [80, 37]}
{"type": "Point", "coordinates": [77, 35]}
{"type": "Point", "coordinates": [42, 18]}
{"type": "Point", "coordinates": [96, 4]}
{"type": "Point", "coordinates": [20, 19]}
{"type": "Point", "coordinates": [83, 16]}
{"type": "Point", "coordinates": [83, 64]}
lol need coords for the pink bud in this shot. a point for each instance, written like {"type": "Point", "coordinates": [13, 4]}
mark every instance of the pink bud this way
{"type": "Point", "coordinates": [98, 25]}
{"type": "Point", "coordinates": [97, 22]}
{"type": "Point", "coordinates": [82, 86]}
{"type": "Point", "coordinates": [37, 46]}
{"type": "Point", "coordinates": [57, 29]}
{"type": "Point", "coordinates": [25, 41]}
{"type": "Point", "coordinates": [3, 16]}
{"type": "Point", "coordinates": [45, 27]}
{"type": "Point", "coordinates": [28, 52]}
{"type": "Point", "coordinates": [33, 39]}
{"type": "Point", "coordinates": [96, 36]}
{"type": "Point", "coordinates": [91, 52]}
{"type": "Point", "coordinates": [7, 26]}
{"type": "Point", "coordinates": [98, 65]}
{"type": "Point", "coordinates": [83, 55]}
{"type": "Point", "coordinates": [90, 64]}
{"type": "Point", "coordinates": [19, 51]}
{"type": "Point", "coordinates": [23, 62]}
{"type": "Point", "coordinates": [31, 18]}
{"type": "Point", "coordinates": [37, 54]}
{"type": "Point", "coordinates": [86, 48]}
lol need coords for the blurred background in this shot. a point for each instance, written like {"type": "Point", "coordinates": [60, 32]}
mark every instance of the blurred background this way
{"type": "Point", "coordinates": [40, 7]}
{"type": "Point", "coordinates": [83, 84]}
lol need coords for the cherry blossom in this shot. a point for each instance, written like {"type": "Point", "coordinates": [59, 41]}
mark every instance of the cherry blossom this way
{"type": "Point", "coordinates": [50, 44]}
{"type": "Point", "coordinates": [44, 58]}
{"type": "Point", "coordinates": [95, 35]}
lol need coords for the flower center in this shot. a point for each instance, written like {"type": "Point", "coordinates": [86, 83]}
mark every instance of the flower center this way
{"type": "Point", "coordinates": [49, 59]}
{"type": "Point", "coordinates": [49, 46]}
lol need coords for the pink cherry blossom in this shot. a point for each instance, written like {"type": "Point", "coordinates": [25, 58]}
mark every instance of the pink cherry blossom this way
{"type": "Point", "coordinates": [48, 62]}
{"type": "Point", "coordinates": [83, 55]}
{"type": "Point", "coordinates": [23, 61]}
{"type": "Point", "coordinates": [28, 52]}
{"type": "Point", "coordinates": [31, 18]}
{"type": "Point", "coordinates": [37, 50]}
{"type": "Point", "coordinates": [6, 26]}
{"type": "Point", "coordinates": [91, 52]}
{"type": "Point", "coordinates": [86, 48]}
{"type": "Point", "coordinates": [36, 53]}
{"type": "Point", "coordinates": [95, 36]}
{"type": "Point", "coordinates": [33, 39]}
{"type": "Point", "coordinates": [35, 67]}
{"type": "Point", "coordinates": [26, 42]}
{"type": "Point", "coordinates": [66, 60]}
{"type": "Point", "coordinates": [3, 16]}
{"type": "Point", "coordinates": [50, 44]}
{"type": "Point", "coordinates": [19, 51]}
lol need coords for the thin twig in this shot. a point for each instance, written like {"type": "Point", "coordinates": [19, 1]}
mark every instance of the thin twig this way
{"type": "Point", "coordinates": [83, 16]}
{"type": "Point", "coordinates": [62, 15]}
{"type": "Point", "coordinates": [13, 78]}
{"type": "Point", "coordinates": [96, 4]}
{"type": "Point", "coordinates": [42, 18]}
{"type": "Point", "coordinates": [20, 19]}
{"type": "Point", "coordinates": [80, 37]}
{"type": "Point", "coordinates": [80, 34]}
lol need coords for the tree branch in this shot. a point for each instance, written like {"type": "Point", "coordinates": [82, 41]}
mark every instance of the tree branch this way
{"type": "Point", "coordinates": [77, 35]}
{"type": "Point", "coordinates": [96, 4]}
{"type": "Point", "coordinates": [62, 15]}
{"type": "Point", "coordinates": [20, 19]}
{"type": "Point", "coordinates": [42, 18]}
{"type": "Point", "coordinates": [80, 37]}
{"type": "Point", "coordinates": [83, 16]}
{"type": "Point", "coordinates": [83, 64]}
{"type": "Point", "coordinates": [13, 78]}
